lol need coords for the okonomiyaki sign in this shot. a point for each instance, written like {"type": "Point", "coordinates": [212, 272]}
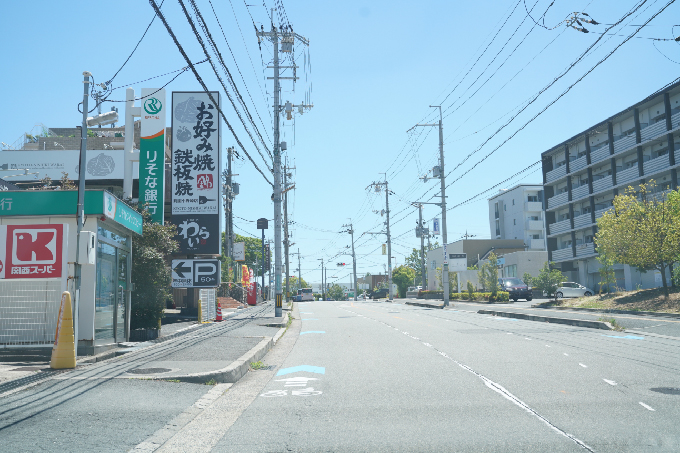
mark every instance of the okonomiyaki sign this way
{"type": "Point", "coordinates": [195, 153]}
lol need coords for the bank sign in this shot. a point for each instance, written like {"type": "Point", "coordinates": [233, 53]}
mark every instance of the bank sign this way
{"type": "Point", "coordinates": [152, 152]}
{"type": "Point", "coordinates": [196, 171]}
{"type": "Point", "coordinates": [33, 251]}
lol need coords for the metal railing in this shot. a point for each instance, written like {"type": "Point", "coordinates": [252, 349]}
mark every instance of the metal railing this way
{"type": "Point", "coordinates": [558, 200]}
{"type": "Point", "coordinates": [582, 220]}
{"type": "Point", "coordinates": [585, 249]}
{"type": "Point", "coordinates": [579, 192]}
{"type": "Point", "coordinates": [559, 227]}
{"type": "Point", "coordinates": [557, 173]}
{"type": "Point", "coordinates": [562, 254]}
{"type": "Point", "coordinates": [602, 184]}
{"type": "Point", "coordinates": [655, 165]}
{"type": "Point", "coordinates": [599, 155]}
{"type": "Point", "coordinates": [653, 130]}
{"type": "Point", "coordinates": [624, 143]}
{"type": "Point", "coordinates": [627, 175]}
{"type": "Point", "coordinates": [577, 164]}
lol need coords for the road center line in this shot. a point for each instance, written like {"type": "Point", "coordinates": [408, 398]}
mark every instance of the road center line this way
{"type": "Point", "coordinates": [646, 407]}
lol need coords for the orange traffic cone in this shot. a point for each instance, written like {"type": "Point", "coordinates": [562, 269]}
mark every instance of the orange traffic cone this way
{"type": "Point", "coordinates": [219, 312]}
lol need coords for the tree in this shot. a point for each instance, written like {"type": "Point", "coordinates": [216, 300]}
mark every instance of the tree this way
{"type": "Point", "coordinates": [642, 231]}
{"type": "Point", "coordinates": [413, 261]}
{"type": "Point", "coordinates": [488, 274]}
{"type": "Point", "coordinates": [151, 274]}
{"type": "Point", "coordinates": [607, 273]}
{"type": "Point", "coordinates": [335, 292]}
{"type": "Point", "coordinates": [403, 277]}
{"type": "Point", "coordinates": [453, 281]}
{"type": "Point", "coordinates": [548, 279]}
{"type": "Point", "coordinates": [253, 248]}
{"type": "Point", "coordinates": [295, 285]}
{"type": "Point", "coordinates": [527, 279]}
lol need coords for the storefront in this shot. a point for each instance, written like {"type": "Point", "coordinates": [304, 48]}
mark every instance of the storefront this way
{"type": "Point", "coordinates": [103, 318]}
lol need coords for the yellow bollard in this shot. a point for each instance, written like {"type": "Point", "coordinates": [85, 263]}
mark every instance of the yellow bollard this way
{"type": "Point", "coordinates": [64, 349]}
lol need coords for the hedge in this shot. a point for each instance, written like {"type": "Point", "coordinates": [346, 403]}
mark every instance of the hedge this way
{"type": "Point", "coordinates": [501, 296]}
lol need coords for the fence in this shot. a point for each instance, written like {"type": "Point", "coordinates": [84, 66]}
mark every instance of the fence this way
{"type": "Point", "coordinates": [208, 305]}
{"type": "Point", "coordinates": [28, 311]}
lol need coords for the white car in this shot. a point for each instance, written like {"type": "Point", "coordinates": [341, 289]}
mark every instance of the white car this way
{"type": "Point", "coordinates": [572, 289]}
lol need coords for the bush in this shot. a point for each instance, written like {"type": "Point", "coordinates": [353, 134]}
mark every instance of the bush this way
{"type": "Point", "coordinates": [317, 296]}
{"type": "Point", "coordinates": [431, 294]}
{"type": "Point", "coordinates": [501, 296]}
{"type": "Point", "coordinates": [470, 290]}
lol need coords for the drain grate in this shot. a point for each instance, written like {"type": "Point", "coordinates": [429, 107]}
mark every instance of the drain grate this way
{"type": "Point", "coordinates": [149, 370]}
{"type": "Point", "coordinates": [667, 390]}
{"type": "Point", "coordinates": [263, 368]}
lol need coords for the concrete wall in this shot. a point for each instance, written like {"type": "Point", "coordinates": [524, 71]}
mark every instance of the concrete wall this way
{"type": "Point", "coordinates": [526, 261]}
{"type": "Point", "coordinates": [513, 213]}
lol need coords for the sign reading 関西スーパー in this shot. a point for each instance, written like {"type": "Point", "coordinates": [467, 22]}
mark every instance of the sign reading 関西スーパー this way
{"type": "Point", "coordinates": [33, 251]}
{"type": "Point", "coordinates": [152, 152]}
{"type": "Point", "coordinates": [196, 171]}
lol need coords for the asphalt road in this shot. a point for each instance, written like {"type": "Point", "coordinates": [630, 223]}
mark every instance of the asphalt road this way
{"type": "Point", "coordinates": [402, 378]}
{"type": "Point", "coordinates": [384, 377]}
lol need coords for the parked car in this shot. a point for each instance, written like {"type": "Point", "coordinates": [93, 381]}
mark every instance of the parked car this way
{"type": "Point", "coordinates": [380, 294]}
{"type": "Point", "coordinates": [516, 287]}
{"type": "Point", "coordinates": [572, 289]}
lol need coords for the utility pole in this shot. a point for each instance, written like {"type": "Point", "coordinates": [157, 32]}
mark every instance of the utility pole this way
{"type": "Point", "coordinates": [228, 214]}
{"type": "Point", "coordinates": [323, 293]}
{"type": "Point", "coordinates": [354, 258]}
{"type": "Point", "coordinates": [286, 241]}
{"type": "Point", "coordinates": [422, 245]}
{"type": "Point", "coordinates": [80, 208]}
{"type": "Point", "coordinates": [299, 270]}
{"type": "Point", "coordinates": [286, 36]}
{"type": "Point", "coordinates": [378, 186]}
{"type": "Point", "coordinates": [442, 179]}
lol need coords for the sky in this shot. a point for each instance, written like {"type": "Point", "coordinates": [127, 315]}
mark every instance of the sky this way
{"type": "Point", "coordinates": [372, 69]}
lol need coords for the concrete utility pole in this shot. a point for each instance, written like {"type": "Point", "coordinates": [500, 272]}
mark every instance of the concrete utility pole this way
{"type": "Point", "coordinates": [286, 36]}
{"type": "Point", "coordinates": [422, 245]}
{"type": "Point", "coordinates": [442, 179]}
{"type": "Point", "coordinates": [323, 293]}
{"type": "Point", "coordinates": [228, 199]}
{"type": "Point", "coordinates": [354, 258]}
{"type": "Point", "coordinates": [286, 241]}
{"type": "Point", "coordinates": [80, 208]}
{"type": "Point", "coordinates": [299, 270]}
{"type": "Point", "coordinates": [378, 186]}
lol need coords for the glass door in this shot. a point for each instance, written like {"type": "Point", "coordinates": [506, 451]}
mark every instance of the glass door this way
{"type": "Point", "coordinates": [106, 294]}
{"type": "Point", "coordinates": [121, 294]}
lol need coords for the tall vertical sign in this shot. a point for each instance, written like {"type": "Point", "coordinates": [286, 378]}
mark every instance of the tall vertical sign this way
{"type": "Point", "coordinates": [196, 172]}
{"type": "Point", "coordinates": [152, 152]}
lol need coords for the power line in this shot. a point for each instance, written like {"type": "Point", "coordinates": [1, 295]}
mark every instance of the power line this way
{"type": "Point", "coordinates": [205, 88]}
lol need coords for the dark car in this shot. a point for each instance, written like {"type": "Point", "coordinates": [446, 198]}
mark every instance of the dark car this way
{"type": "Point", "coordinates": [516, 287]}
{"type": "Point", "coordinates": [380, 294]}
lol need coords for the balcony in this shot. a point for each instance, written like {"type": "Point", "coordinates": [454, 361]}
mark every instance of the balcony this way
{"type": "Point", "coordinates": [653, 131]}
{"type": "Point", "coordinates": [628, 175]}
{"type": "Point", "coordinates": [537, 244]}
{"type": "Point", "coordinates": [584, 249]}
{"type": "Point", "coordinates": [600, 212]}
{"type": "Point", "coordinates": [599, 155]}
{"type": "Point", "coordinates": [602, 184]}
{"type": "Point", "coordinates": [582, 220]}
{"type": "Point", "coordinates": [579, 192]}
{"type": "Point", "coordinates": [534, 225]}
{"type": "Point", "coordinates": [555, 174]}
{"type": "Point", "coordinates": [558, 200]}
{"type": "Point", "coordinates": [675, 120]}
{"type": "Point", "coordinates": [558, 227]}
{"type": "Point", "coordinates": [534, 206]}
{"type": "Point", "coordinates": [658, 196]}
{"type": "Point", "coordinates": [624, 143]}
{"type": "Point", "coordinates": [562, 254]}
{"type": "Point", "coordinates": [655, 165]}
{"type": "Point", "coordinates": [677, 155]}
{"type": "Point", "coordinates": [577, 164]}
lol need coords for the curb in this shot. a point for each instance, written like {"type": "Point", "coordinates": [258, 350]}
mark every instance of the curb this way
{"type": "Point", "coordinates": [420, 304]}
{"type": "Point", "coordinates": [572, 322]}
{"type": "Point", "coordinates": [610, 310]}
{"type": "Point", "coordinates": [238, 368]}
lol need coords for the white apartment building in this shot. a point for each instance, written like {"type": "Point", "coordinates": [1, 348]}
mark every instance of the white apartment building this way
{"type": "Point", "coordinates": [517, 213]}
{"type": "Point", "coordinates": [582, 175]}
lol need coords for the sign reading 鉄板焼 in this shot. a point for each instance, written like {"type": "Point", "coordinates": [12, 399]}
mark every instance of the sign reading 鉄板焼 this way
{"type": "Point", "coordinates": [152, 152]}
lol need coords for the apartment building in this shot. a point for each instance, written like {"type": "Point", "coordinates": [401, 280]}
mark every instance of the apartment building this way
{"type": "Point", "coordinates": [517, 213]}
{"type": "Point", "coordinates": [582, 175]}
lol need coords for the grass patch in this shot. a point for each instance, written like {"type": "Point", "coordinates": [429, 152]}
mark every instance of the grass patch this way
{"type": "Point", "coordinates": [638, 300]}
{"type": "Point", "coordinates": [618, 327]}
{"type": "Point", "coordinates": [211, 382]}
{"type": "Point", "coordinates": [257, 365]}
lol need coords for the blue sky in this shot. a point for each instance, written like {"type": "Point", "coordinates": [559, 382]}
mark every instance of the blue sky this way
{"type": "Point", "coordinates": [375, 69]}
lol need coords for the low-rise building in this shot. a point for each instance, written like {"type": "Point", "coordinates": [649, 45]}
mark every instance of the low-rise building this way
{"type": "Point", "coordinates": [517, 213]}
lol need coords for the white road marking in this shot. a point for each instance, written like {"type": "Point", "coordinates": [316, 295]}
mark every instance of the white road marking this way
{"type": "Point", "coordinates": [566, 354]}
{"type": "Point", "coordinates": [584, 366]}
{"type": "Point", "coordinates": [646, 407]}
{"type": "Point", "coordinates": [609, 382]}
{"type": "Point", "coordinates": [528, 339]}
{"type": "Point", "coordinates": [509, 333]}
{"type": "Point", "coordinates": [547, 346]}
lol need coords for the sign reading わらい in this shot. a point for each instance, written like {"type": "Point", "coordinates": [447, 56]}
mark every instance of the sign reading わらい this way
{"type": "Point", "coordinates": [33, 251]}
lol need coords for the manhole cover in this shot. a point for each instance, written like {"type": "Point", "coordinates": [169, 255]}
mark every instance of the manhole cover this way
{"type": "Point", "coordinates": [667, 390]}
{"type": "Point", "coordinates": [149, 370]}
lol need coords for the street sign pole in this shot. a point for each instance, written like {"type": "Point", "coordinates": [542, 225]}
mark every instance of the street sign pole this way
{"type": "Point", "coordinates": [262, 224]}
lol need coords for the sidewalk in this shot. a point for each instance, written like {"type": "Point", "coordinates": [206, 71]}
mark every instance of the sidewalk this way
{"type": "Point", "coordinates": [636, 323]}
{"type": "Point", "coordinates": [195, 353]}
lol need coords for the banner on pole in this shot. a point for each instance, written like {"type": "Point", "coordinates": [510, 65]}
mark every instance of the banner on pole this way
{"type": "Point", "coordinates": [152, 152]}
{"type": "Point", "coordinates": [435, 227]}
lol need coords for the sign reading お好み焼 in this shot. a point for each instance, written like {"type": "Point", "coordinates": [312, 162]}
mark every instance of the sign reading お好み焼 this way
{"type": "Point", "coordinates": [196, 171]}
{"type": "Point", "coordinates": [152, 152]}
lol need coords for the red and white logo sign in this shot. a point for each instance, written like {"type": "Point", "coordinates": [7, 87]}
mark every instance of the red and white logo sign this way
{"type": "Point", "coordinates": [33, 251]}
{"type": "Point", "coordinates": [204, 181]}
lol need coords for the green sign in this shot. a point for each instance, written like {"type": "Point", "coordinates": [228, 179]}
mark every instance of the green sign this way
{"type": "Point", "coordinates": [64, 202]}
{"type": "Point", "coordinates": [152, 153]}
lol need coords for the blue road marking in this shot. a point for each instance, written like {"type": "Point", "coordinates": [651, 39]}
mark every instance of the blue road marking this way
{"type": "Point", "coordinates": [312, 331]}
{"type": "Point", "coordinates": [629, 337]}
{"type": "Point", "coordinates": [307, 368]}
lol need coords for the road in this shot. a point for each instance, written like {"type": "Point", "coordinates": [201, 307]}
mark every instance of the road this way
{"type": "Point", "coordinates": [386, 377]}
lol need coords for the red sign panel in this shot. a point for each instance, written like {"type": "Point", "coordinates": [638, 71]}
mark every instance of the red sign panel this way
{"type": "Point", "coordinates": [34, 251]}
{"type": "Point", "coordinates": [204, 182]}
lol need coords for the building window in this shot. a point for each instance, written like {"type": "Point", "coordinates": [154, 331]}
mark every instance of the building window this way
{"type": "Point", "coordinates": [513, 202]}
{"type": "Point", "coordinates": [511, 271]}
{"type": "Point", "coordinates": [535, 236]}
{"type": "Point", "coordinates": [532, 198]}
{"type": "Point", "coordinates": [505, 208]}
{"type": "Point", "coordinates": [514, 221]}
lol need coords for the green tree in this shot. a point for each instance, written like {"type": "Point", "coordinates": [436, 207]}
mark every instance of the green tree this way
{"type": "Point", "coordinates": [294, 285]}
{"type": "Point", "coordinates": [642, 231]}
{"type": "Point", "coordinates": [453, 281]}
{"type": "Point", "coordinates": [607, 273]}
{"type": "Point", "coordinates": [335, 292]}
{"type": "Point", "coordinates": [488, 274]}
{"type": "Point", "coordinates": [527, 279]}
{"type": "Point", "coordinates": [403, 277]}
{"type": "Point", "coordinates": [414, 262]}
{"type": "Point", "coordinates": [253, 248]}
{"type": "Point", "coordinates": [548, 279]}
{"type": "Point", "coordinates": [151, 274]}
